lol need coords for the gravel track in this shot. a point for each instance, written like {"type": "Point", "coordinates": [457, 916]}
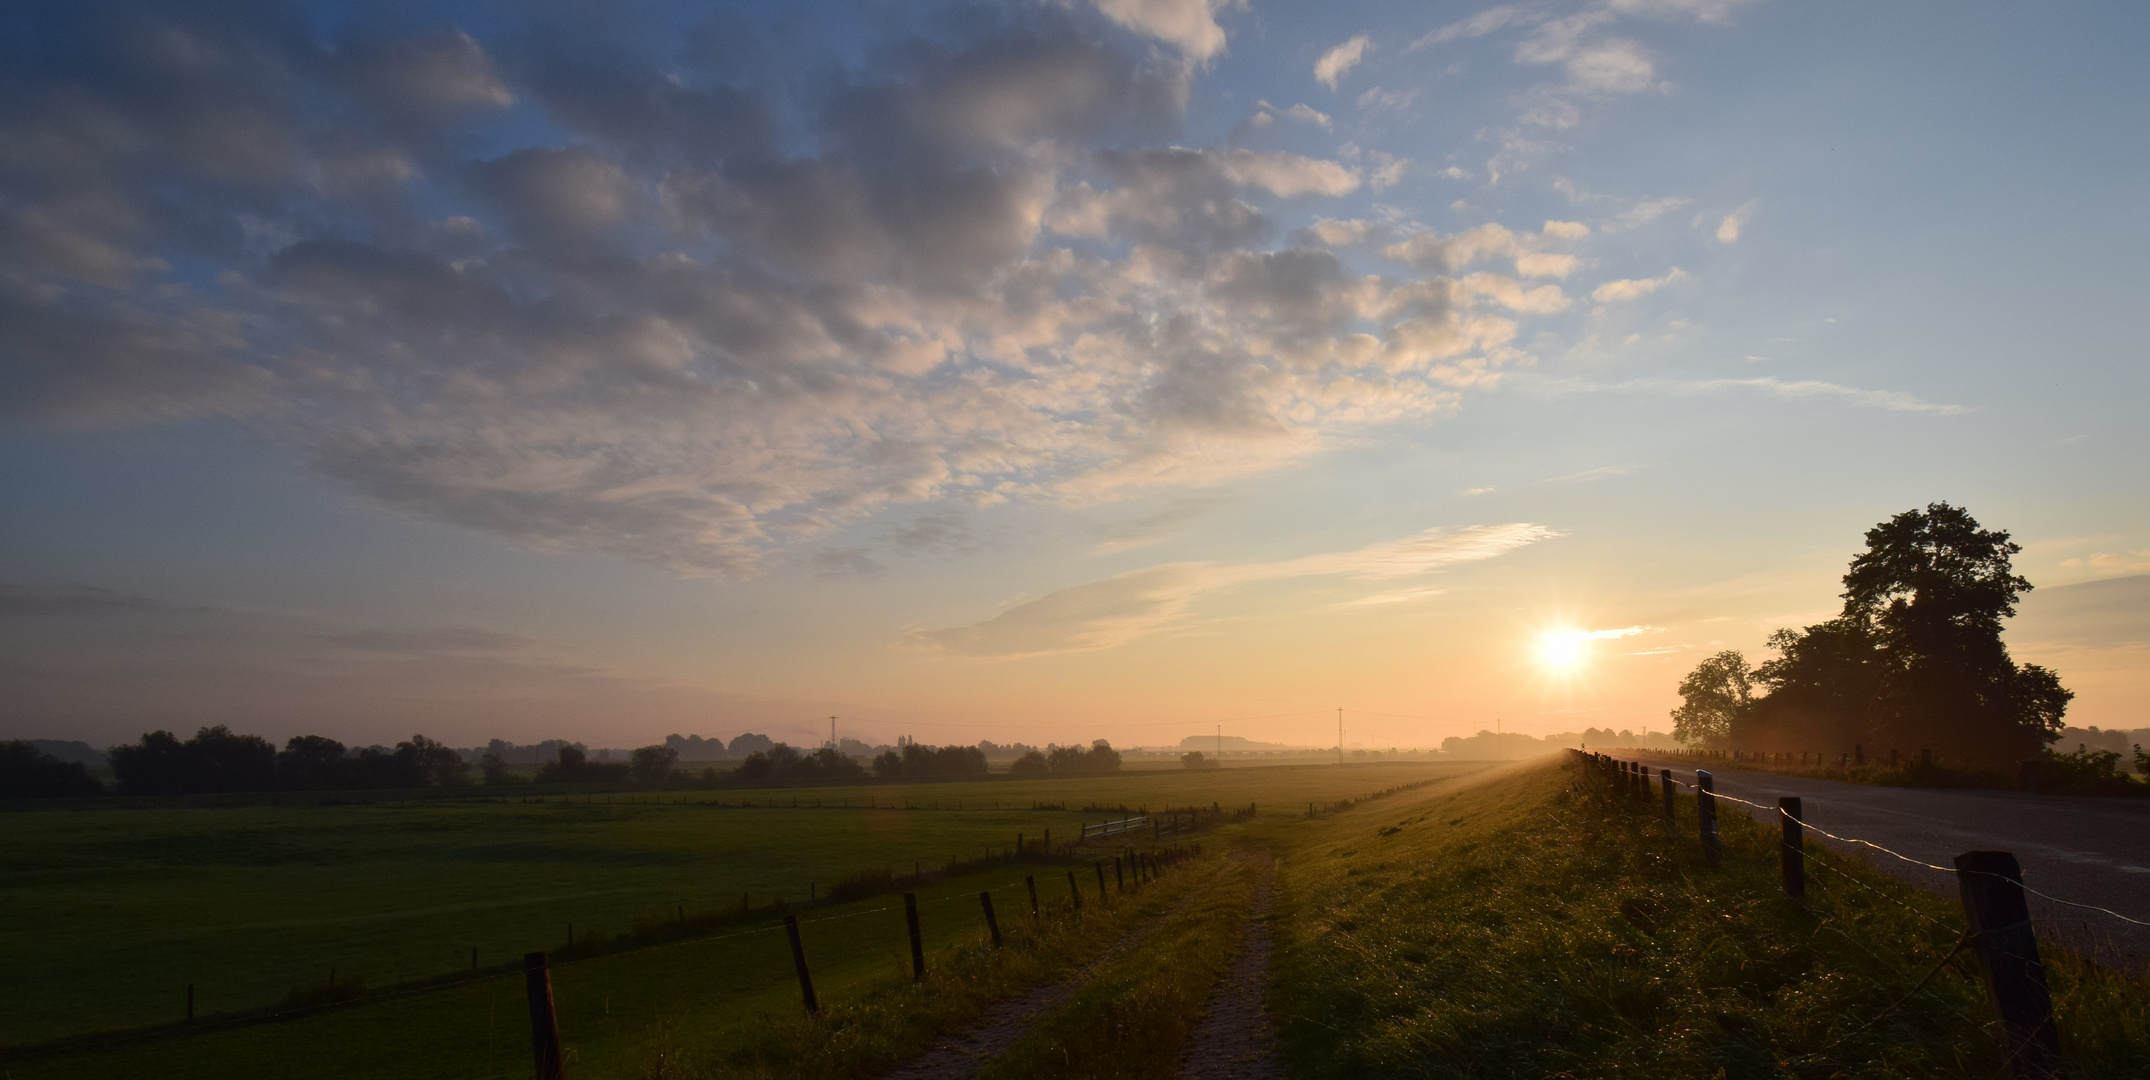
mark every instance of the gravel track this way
{"type": "Point", "coordinates": [1236, 1038]}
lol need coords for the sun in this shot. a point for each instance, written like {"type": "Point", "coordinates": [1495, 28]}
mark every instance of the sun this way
{"type": "Point", "coordinates": [1561, 650]}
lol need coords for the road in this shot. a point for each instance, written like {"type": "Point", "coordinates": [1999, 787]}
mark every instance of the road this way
{"type": "Point", "coordinates": [2092, 850]}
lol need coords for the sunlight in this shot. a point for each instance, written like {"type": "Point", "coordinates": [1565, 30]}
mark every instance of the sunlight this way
{"type": "Point", "coordinates": [1561, 650]}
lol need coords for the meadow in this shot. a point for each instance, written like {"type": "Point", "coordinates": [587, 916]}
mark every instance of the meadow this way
{"type": "Point", "coordinates": [113, 912]}
{"type": "Point", "coordinates": [1519, 920]}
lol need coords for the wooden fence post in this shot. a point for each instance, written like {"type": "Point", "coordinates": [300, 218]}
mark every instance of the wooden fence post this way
{"type": "Point", "coordinates": [798, 963]}
{"type": "Point", "coordinates": [544, 1026]}
{"type": "Point", "coordinates": [1664, 780]}
{"type": "Point", "coordinates": [1032, 884]}
{"type": "Point", "coordinates": [1991, 883]}
{"type": "Point", "coordinates": [992, 925]}
{"type": "Point", "coordinates": [1792, 850]}
{"type": "Point", "coordinates": [1706, 813]}
{"type": "Point", "coordinates": [1102, 895]}
{"type": "Point", "coordinates": [1074, 892]}
{"type": "Point", "coordinates": [918, 943]}
{"type": "Point", "coordinates": [1118, 878]}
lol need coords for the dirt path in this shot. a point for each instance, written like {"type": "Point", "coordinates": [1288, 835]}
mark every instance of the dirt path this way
{"type": "Point", "coordinates": [1236, 1038]}
{"type": "Point", "coordinates": [961, 1056]}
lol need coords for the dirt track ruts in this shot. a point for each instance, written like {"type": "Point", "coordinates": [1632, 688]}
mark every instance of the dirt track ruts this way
{"type": "Point", "coordinates": [1236, 1038]}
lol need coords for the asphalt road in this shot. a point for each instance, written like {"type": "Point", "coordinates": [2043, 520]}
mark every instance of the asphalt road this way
{"type": "Point", "coordinates": [2092, 850]}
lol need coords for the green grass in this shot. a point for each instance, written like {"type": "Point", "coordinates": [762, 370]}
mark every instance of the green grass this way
{"type": "Point", "coordinates": [112, 912]}
{"type": "Point", "coordinates": [1528, 923]}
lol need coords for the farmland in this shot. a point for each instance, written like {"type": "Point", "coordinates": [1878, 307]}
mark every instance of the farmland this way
{"type": "Point", "coordinates": [1518, 921]}
{"type": "Point", "coordinates": [115, 912]}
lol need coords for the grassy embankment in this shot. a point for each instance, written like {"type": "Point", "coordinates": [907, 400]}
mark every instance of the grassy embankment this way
{"type": "Point", "coordinates": [114, 912]}
{"type": "Point", "coordinates": [1534, 924]}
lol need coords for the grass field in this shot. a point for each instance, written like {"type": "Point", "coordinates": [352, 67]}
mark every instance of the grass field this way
{"type": "Point", "coordinates": [113, 912]}
{"type": "Point", "coordinates": [1522, 921]}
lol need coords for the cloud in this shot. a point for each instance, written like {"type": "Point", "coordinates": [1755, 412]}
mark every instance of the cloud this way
{"type": "Point", "coordinates": [1307, 114]}
{"type": "Point", "coordinates": [453, 640]}
{"type": "Point", "coordinates": [1728, 228]}
{"type": "Point", "coordinates": [1389, 170]}
{"type": "Point", "coordinates": [1116, 610]}
{"type": "Point", "coordinates": [1787, 389]}
{"type": "Point", "coordinates": [843, 564]}
{"type": "Point", "coordinates": [1479, 25]}
{"type": "Point", "coordinates": [1613, 292]}
{"type": "Point", "coordinates": [71, 601]}
{"type": "Point", "coordinates": [2133, 562]}
{"type": "Point", "coordinates": [1565, 230]}
{"type": "Point", "coordinates": [1189, 24]}
{"type": "Point", "coordinates": [1330, 69]}
{"type": "Point", "coordinates": [680, 306]}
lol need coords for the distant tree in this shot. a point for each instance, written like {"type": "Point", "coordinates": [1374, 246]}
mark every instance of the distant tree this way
{"type": "Point", "coordinates": [783, 761]}
{"type": "Point", "coordinates": [1031, 765]}
{"type": "Point", "coordinates": [1099, 757]}
{"type": "Point", "coordinates": [651, 764]}
{"type": "Point", "coordinates": [215, 759]}
{"type": "Point", "coordinates": [439, 764]}
{"type": "Point", "coordinates": [1713, 696]}
{"type": "Point", "coordinates": [312, 763]}
{"type": "Point", "coordinates": [1195, 759]}
{"type": "Point", "coordinates": [748, 743]}
{"type": "Point", "coordinates": [573, 766]}
{"type": "Point", "coordinates": [493, 764]}
{"type": "Point", "coordinates": [888, 763]}
{"type": "Point", "coordinates": [29, 773]}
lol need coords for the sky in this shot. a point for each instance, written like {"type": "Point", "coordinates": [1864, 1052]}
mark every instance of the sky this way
{"type": "Point", "coordinates": [1041, 371]}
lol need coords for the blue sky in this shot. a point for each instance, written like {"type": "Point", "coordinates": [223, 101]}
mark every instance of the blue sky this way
{"type": "Point", "coordinates": [1040, 371]}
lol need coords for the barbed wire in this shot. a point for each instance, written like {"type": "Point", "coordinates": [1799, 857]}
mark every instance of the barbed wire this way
{"type": "Point", "coordinates": [1782, 812]}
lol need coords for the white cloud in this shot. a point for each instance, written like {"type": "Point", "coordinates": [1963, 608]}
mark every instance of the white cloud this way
{"type": "Point", "coordinates": [1728, 228]}
{"type": "Point", "coordinates": [1613, 292]}
{"type": "Point", "coordinates": [1388, 171]}
{"type": "Point", "coordinates": [1644, 212]}
{"type": "Point", "coordinates": [1565, 230]}
{"type": "Point", "coordinates": [1286, 175]}
{"type": "Point", "coordinates": [1479, 25]}
{"type": "Point", "coordinates": [1788, 389]}
{"type": "Point", "coordinates": [1189, 24]}
{"type": "Point", "coordinates": [1330, 69]}
{"type": "Point", "coordinates": [1103, 614]}
{"type": "Point", "coordinates": [1307, 114]}
{"type": "Point", "coordinates": [1454, 173]}
{"type": "Point", "coordinates": [1713, 11]}
{"type": "Point", "coordinates": [1379, 100]}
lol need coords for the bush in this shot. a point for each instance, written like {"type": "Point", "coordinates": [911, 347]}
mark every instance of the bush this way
{"type": "Point", "coordinates": [29, 773]}
{"type": "Point", "coordinates": [1195, 759]}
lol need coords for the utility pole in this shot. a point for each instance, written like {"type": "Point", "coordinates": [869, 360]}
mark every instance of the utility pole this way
{"type": "Point", "coordinates": [1220, 744]}
{"type": "Point", "coordinates": [832, 733]}
{"type": "Point", "coordinates": [1339, 734]}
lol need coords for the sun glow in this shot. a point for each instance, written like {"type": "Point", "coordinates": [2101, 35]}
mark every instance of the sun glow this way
{"type": "Point", "coordinates": [1561, 650]}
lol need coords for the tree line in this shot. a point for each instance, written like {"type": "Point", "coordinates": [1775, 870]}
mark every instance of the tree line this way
{"type": "Point", "coordinates": [219, 760]}
{"type": "Point", "coordinates": [1913, 661]}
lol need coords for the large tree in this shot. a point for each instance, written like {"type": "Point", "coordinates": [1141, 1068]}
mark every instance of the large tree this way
{"type": "Point", "coordinates": [1915, 661]}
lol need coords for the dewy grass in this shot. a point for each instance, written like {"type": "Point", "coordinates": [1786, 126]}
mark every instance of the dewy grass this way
{"type": "Point", "coordinates": [877, 1024]}
{"type": "Point", "coordinates": [1131, 1020]}
{"type": "Point", "coordinates": [1539, 924]}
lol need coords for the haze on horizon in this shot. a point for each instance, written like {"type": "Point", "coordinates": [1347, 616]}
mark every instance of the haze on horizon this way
{"type": "Point", "coordinates": [1041, 371]}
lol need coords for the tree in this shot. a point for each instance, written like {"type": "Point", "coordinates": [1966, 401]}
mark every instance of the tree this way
{"type": "Point", "coordinates": [215, 759]}
{"type": "Point", "coordinates": [493, 765]}
{"type": "Point", "coordinates": [1195, 759]}
{"type": "Point", "coordinates": [1915, 661]}
{"type": "Point", "coordinates": [29, 773]}
{"type": "Point", "coordinates": [1714, 695]}
{"type": "Point", "coordinates": [1030, 766]}
{"type": "Point", "coordinates": [651, 764]}
{"type": "Point", "coordinates": [311, 763]}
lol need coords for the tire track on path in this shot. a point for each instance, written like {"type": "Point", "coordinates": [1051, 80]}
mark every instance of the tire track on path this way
{"type": "Point", "coordinates": [1236, 1039]}
{"type": "Point", "coordinates": [961, 1056]}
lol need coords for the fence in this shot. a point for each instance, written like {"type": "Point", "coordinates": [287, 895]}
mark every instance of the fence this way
{"type": "Point", "coordinates": [1990, 884]}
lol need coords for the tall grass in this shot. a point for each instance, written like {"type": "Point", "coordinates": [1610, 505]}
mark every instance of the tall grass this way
{"type": "Point", "coordinates": [1543, 924]}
